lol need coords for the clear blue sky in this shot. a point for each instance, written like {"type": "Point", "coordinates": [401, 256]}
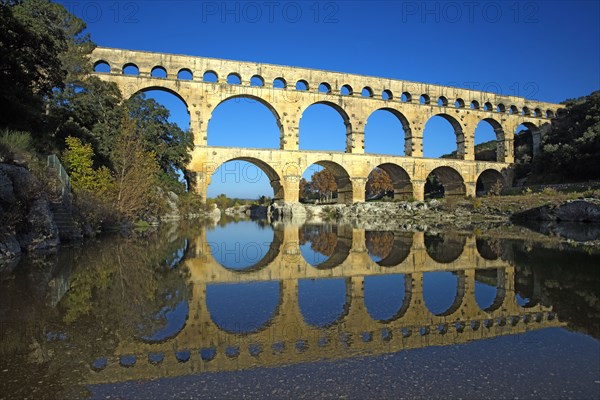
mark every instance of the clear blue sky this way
{"type": "Point", "coordinates": [542, 50]}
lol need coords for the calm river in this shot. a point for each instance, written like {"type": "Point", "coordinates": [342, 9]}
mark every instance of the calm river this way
{"type": "Point", "coordinates": [247, 309]}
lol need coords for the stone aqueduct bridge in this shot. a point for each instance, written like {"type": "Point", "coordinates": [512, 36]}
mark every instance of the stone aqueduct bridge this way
{"type": "Point", "coordinates": [286, 338]}
{"type": "Point", "coordinates": [298, 88]}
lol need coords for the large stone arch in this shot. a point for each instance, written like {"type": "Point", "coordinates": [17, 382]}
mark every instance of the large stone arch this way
{"type": "Point", "coordinates": [342, 113]}
{"type": "Point", "coordinates": [342, 180]}
{"type": "Point", "coordinates": [341, 316]}
{"type": "Point", "coordinates": [401, 180]}
{"type": "Point", "coordinates": [451, 180]}
{"type": "Point", "coordinates": [500, 138]}
{"type": "Point", "coordinates": [258, 99]}
{"type": "Point", "coordinates": [341, 248]}
{"type": "Point", "coordinates": [489, 181]}
{"type": "Point", "coordinates": [536, 136]}
{"type": "Point", "coordinates": [403, 121]}
{"type": "Point", "coordinates": [274, 177]}
{"type": "Point", "coordinates": [461, 145]}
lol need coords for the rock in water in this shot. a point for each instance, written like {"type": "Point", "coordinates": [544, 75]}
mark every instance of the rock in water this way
{"type": "Point", "coordinates": [578, 211]}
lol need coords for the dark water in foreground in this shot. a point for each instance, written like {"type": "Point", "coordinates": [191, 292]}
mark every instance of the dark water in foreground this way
{"type": "Point", "coordinates": [248, 309]}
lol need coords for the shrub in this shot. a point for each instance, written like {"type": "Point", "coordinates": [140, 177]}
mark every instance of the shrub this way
{"type": "Point", "coordinates": [15, 146]}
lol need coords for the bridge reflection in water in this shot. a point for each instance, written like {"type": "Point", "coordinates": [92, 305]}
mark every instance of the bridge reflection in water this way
{"type": "Point", "coordinates": [351, 262]}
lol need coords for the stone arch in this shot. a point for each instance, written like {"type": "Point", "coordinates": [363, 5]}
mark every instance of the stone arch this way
{"type": "Point", "coordinates": [459, 103]}
{"type": "Point", "coordinates": [102, 67]}
{"type": "Point", "coordinates": [513, 109]}
{"type": "Point", "coordinates": [334, 106]}
{"type": "Point", "coordinates": [487, 106]}
{"type": "Point", "coordinates": [339, 252]}
{"type": "Point", "coordinates": [257, 80]}
{"type": "Point", "coordinates": [302, 85]}
{"type": "Point", "coordinates": [325, 87]}
{"type": "Point", "coordinates": [401, 181]}
{"type": "Point", "coordinates": [159, 70]}
{"type": "Point", "coordinates": [251, 292]}
{"type": "Point", "coordinates": [405, 127]}
{"type": "Point", "coordinates": [164, 89]}
{"type": "Point", "coordinates": [340, 314]}
{"type": "Point", "coordinates": [367, 92]}
{"type": "Point", "coordinates": [424, 99]}
{"type": "Point", "coordinates": [399, 250]}
{"type": "Point", "coordinates": [459, 295]}
{"type": "Point", "coordinates": [451, 181]}
{"type": "Point", "coordinates": [185, 74]}
{"type": "Point", "coordinates": [536, 138]}
{"type": "Point", "coordinates": [258, 99]}
{"type": "Point", "coordinates": [458, 132]}
{"type": "Point", "coordinates": [234, 79]}
{"type": "Point", "coordinates": [550, 113]}
{"type": "Point", "coordinates": [279, 83]}
{"type": "Point", "coordinates": [274, 179]}
{"type": "Point", "coordinates": [488, 249]}
{"type": "Point", "coordinates": [493, 278]}
{"type": "Point", "coordinates": [442, 101]}
{"type": "Point", "coordinates": [210, 76]}
{"type": "Point", "coordinates": [342, 180]}
{"type": "Point", "coordinates": [130, 69]}
{"type": "Point", "coordinates": [497, 153]}
{"type": "Point", "coordinates": [406, 298]}
{"type": "Point", "coordinates": [500, 108]}
{"type": "Point", "coordinates": [406, 97]}
{"type": "Point", "coordinates": [444, 248]}
{"type": "Point", "coordinates": [387, 95]}
{"type": "Point", "coordinates": [488, 181]}
{"type": "Point", "coordinates": [346, 90]}
{"type": "Point", "coordinates": [474, 105]}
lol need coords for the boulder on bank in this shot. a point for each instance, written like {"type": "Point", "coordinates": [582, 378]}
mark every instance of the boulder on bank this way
{"type": "Point", "coordinates": [573, 211]}
{"type": "Point", "coordinates": [25, 214]}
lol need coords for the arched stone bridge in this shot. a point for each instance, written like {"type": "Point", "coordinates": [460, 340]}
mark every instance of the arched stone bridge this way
{"type": "Point", "coordinates": [288, 91]}
{"type": "Point", "coordinates": [287, 338]}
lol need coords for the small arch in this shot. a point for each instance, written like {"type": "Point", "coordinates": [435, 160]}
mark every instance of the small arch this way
{"type": "Point", "coordinates": [442, 101]}
{"type": "Point", "coordinates": [489, 181]}
{"type": "Point", "coordinates": [131, 69]}
{"type": "Point", "coordinates": [487, 106]}
{"type": "Point", "coordinates": [185, 74]}
{"type": "Point", "coordinates": [387, 95]}
{"type": "Point", "coordinates": [302, 85]}
{"type": "Point", "coordinates": [459, 103]}
{"type": "Point", "coordinates": [444, 182]}
{"type": "Point", "coordinates": [325, 87]}
{"type": "Point", "coordinates": [549, 114]}
{"type": "Point", "coordinates": [406, 97]}
{"type": "Point", "coordinates": [324, 246]}
{"type": "Point", "coordinates": [367, 92]}
{"type": "Point", "coordinates": [474, 105]}
{"type": "Point", "coordinates": [102, 67]}
{"type": "Point", "coordinates": [501, 108]}
{"type": "Point", "coordinates": [234, 79]}
{"type": "Point", "coordinates": [257, 81]}
{"type": "Point", "coordinates": [424, 99]}
{"type": "Point", "coordinates": [210, 76]}
{"type": "Point", "coordinates": [513, 110]}
{"type": "Point", "coordinates": [346, 90]}
{"type": "Point", "coordinates": [279, 83]}
{"type": "Point", "coordinates": [526, 111]}
{"type": "Point", "coordinates": [537, 112]}
{"type": "Point", "coordinates": [158, 72]}
{"type": "Point", "coordinates": [388, 249]}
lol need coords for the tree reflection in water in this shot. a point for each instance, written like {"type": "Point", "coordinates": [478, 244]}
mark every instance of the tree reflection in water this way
{"type": "Point", "coordinates": [322, 239]}
{"type": "Point", "coordinates": [379, 244]}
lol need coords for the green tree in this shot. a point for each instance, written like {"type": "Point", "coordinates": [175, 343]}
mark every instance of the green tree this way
{"type": "Point", "coordinates": [135, 171]}
{"type": "Point", "coordinates": [41, 46]}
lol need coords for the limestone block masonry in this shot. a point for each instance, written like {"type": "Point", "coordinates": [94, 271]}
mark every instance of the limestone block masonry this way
{"type": "Point", "coordinates": [412, 103]}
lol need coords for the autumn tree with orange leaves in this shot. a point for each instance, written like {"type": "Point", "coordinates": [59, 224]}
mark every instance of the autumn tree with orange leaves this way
{"type": "Point", "coordinates": [379, 182]}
